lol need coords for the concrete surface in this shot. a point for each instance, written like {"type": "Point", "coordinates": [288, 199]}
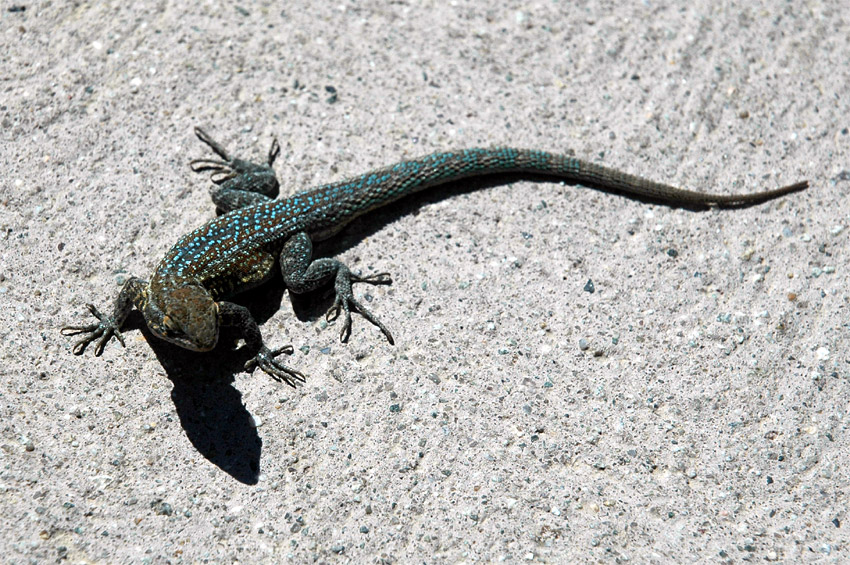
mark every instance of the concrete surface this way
{"type": "Point", "coordinates": [694, 407]}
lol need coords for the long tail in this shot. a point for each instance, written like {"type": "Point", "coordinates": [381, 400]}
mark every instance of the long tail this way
{"type": "Point", "coordinates": [603, 177]}
{"type": "Point", "coordinates": [353, 197]}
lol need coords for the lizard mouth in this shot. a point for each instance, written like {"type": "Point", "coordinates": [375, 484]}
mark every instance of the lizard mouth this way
{"type": "Point", "coordinates": [199, 343]}
{"type": "Point", "coordinates": [192, 345]}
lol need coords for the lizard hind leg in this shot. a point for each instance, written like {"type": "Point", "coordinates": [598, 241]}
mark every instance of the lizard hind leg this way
{"type": "Point", "coordinates": [237, 183]}
{"type": "Point", "coordinates": [344, 300]}
{"type": "Point", "coordinates": [303, 274]}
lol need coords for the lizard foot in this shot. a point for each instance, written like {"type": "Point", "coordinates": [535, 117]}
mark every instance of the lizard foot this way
{"type": "Point", "coordinates": [344, 302]}
{"type": "Point", "coordinates": [104, 330]}
{"type": "Point", "coordinates": [245, 175]}
{"type": "Point", "coordinates": [278, 371]}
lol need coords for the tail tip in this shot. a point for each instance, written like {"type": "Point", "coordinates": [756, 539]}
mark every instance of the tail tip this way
{"type": "Point", "coordinates": [802, 185]}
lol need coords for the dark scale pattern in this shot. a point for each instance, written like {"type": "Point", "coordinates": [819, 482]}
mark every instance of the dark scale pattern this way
{"type": "Point", "coordinates": [183, 301]}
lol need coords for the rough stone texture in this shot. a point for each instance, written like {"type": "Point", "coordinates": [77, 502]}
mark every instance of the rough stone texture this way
{"type": "Point", "coordinates": [694, 406]}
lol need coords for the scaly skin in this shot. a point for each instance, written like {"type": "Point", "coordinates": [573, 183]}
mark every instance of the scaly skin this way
{"type": "Point", "coordinates": [183, 302]}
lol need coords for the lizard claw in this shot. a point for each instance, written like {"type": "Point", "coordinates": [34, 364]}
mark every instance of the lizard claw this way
{"type": "Point", "coordinates": [278, 371]}
{"type": "Point", "coordinates": [104, 330]}
{"type": "Point", "coordinates": [237, 175]}
{"type": "Point", "coordinates": [378, 278]}
{"type": "Point", "coordinates": [344, 304]}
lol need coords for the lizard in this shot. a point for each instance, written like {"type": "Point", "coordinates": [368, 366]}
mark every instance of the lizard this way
{"type": "Point", "coordinates": [184, 300]}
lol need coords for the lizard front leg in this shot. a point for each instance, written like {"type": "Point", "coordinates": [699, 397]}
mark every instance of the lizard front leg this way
{"type": "Point", "coordinates": [133, 294]}
{"type": "Point", "coordinates": [239, 316]}
{"type": "Point", "coordinates": [302, 274]}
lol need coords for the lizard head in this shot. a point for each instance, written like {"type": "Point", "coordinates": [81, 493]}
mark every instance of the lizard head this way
{"type": "Point", "coordinates": [189, 318]}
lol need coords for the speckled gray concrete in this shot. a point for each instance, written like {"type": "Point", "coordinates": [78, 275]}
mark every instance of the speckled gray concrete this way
{"type": "Point", "coordinates": [705, 418]}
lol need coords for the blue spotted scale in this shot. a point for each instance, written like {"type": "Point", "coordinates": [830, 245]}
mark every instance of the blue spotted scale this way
{"type": "Point", "coordinates": [184, 301]}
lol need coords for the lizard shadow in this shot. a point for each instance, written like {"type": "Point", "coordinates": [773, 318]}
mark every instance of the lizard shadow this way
{"type": "Point", "coordinates": [210, 408]}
